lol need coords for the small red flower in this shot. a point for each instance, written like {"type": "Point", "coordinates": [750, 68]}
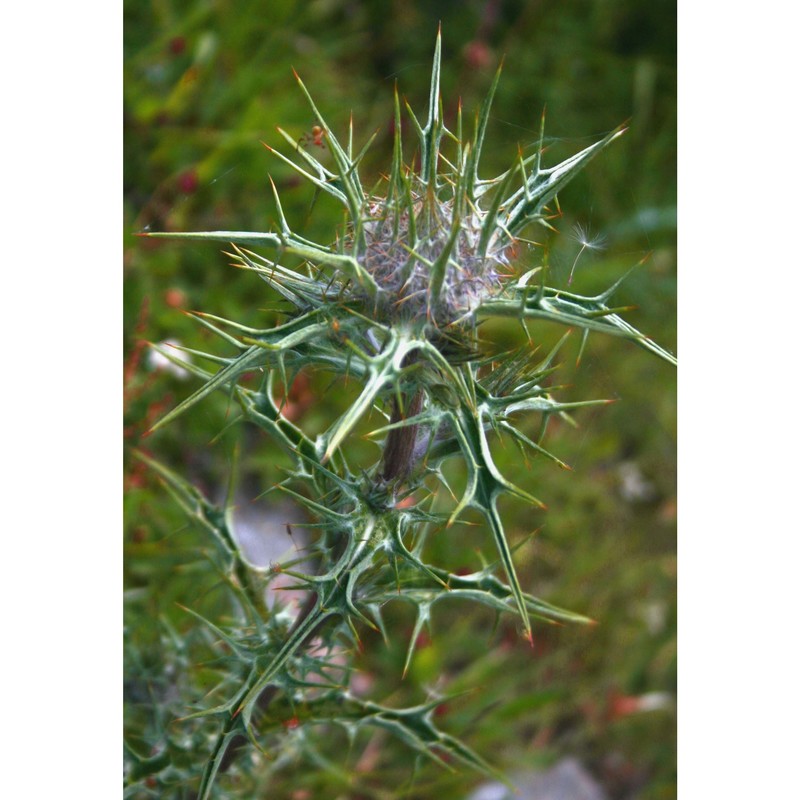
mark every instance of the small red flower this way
{"type": "Point", "coordinates": [175, 298]}
{"type": "Point", "coordinates": [188, 181]}
{"type": "Point", "coordinates": [177, 45]}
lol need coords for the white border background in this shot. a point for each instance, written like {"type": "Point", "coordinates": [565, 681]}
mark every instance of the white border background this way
{"type": "Point", "coordinates": [60, 444]}
{"type": "Point", "coordinates": [738, 289]}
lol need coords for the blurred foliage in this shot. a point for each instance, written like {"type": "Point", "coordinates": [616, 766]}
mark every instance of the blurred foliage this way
{"type": "Point", "coordinates": [205, 82]}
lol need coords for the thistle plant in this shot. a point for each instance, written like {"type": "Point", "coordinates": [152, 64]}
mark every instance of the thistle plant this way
{"type": "Point", "coordinates": [394, 305]}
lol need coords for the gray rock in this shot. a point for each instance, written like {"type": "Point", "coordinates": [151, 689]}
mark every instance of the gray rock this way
{"type": "Point", "coordinates": [566, 780]}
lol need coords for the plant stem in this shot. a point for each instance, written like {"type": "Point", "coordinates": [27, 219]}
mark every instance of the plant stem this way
{"type": "Point", "coordinates": [398, 451]}
{"type": "Point", "coordinates": [269, 692]}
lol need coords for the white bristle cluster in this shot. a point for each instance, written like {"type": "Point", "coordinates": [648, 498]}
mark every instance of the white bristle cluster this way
{"type": "Point", "coordinates": [401, 267]}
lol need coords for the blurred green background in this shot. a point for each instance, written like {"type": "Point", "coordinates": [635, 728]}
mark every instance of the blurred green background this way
{"type": "Point", "coordinates": [205, 82]}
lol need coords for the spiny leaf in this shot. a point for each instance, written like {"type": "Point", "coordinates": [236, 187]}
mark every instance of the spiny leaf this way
{"type": "Point", "coordinates": [415, 727]}
{"type": "Point", "coordinates": [543, 185]}
{"type": "Point", "coordinates": [573, 311]}
{"type": "Point", "coordinates": [251, 238]}
{"type": "Point", "coordinates": [383, 370]}
{"type": "Point", "coordinates": [432, 132]}
{"type": "Point", "coordinates": [348, 176]}
{"type": "Point", "coordinates": [195, 504]}
{"type": "Point", "coordinates": [480, 129]}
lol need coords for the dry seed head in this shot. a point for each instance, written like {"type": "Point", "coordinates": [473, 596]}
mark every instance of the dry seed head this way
{"type": "Point", "coordinates": [398, 256]}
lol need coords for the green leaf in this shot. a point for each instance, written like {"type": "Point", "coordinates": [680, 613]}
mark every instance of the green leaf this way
{"type": "Point", "coordinates": [251, 238]}
{"type": "Point", "coordinates": [526, 204]}
{"type": "Point", "coordinates": [574, 311]}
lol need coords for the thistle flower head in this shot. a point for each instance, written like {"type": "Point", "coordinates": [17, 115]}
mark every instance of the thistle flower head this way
{"type": "Point", "coordinates": [402, 246]}
{"type": "Point", "coordinates": [430, 249]}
